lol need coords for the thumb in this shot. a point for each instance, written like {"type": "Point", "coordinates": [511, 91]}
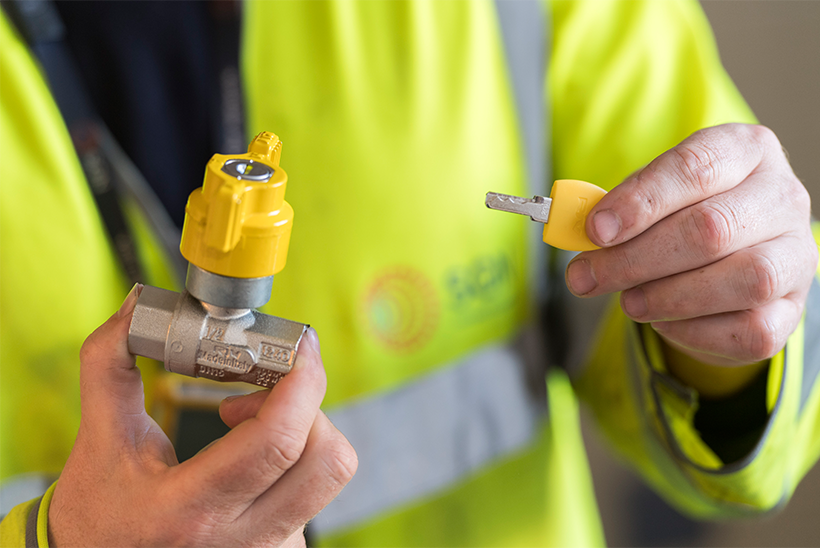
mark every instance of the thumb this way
{"type": "Point", "coordinates": [110, 383]}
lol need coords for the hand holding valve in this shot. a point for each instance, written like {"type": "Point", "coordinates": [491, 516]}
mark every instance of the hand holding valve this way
{"type": "Point", "coordinates": [281, 463]}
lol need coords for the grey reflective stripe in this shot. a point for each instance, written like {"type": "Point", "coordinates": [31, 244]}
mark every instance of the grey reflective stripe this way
{"type": "Point", "coordinates": [422, 438]}
{"type": "Point", "coordinates": [524, 32]}
{"type": "Point", "coordinates": [31, 525]}
{"type": "Point", "coordinates": [811, 345]}
{"type": "Point", "coordinates": [22, 488]}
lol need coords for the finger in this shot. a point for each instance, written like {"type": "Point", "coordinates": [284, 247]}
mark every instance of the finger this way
{"type": "Point", "coordinates": [236, 409]}
{"type": "Point", "coordinates": [327, 465]}
{"type": "Point", "coordinates": [758, 210]}
{"type": "Point", "coordinates": [255, 454]}
{"type": "Point", "coordinates": [747, 279]}
{"type": "Point", "coordinates": [707, 163]}
{"type": "Point", "coordinates": [735, 338]}
{"type": "Point", "coordinates": [296, 540]}
{"type": "Point", "coordinates": [110, 383]}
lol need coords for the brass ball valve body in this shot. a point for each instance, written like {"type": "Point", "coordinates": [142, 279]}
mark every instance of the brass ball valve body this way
{"type": "Point", "coordinates": [235, 237]}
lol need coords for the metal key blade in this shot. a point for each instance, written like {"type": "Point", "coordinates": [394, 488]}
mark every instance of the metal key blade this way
{"type": "Point", "coordinates": [537, 209]}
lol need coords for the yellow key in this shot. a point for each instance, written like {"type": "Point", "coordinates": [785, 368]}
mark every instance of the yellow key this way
{"type": "Point", "coordinates": [563, 214]}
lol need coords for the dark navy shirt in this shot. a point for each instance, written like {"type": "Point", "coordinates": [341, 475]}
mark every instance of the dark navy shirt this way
{"type": "Point", "coordinates": [152, 72]}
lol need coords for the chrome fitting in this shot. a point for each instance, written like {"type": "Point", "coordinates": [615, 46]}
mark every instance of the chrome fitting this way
{"type": "Point", "coordinates": [228, 292]}
{"type": "Point", "coordinates": [203, 339]}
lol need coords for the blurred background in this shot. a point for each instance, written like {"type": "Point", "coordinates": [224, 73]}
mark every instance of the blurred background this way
{"type": "Point", "coordinates": [771, 48]}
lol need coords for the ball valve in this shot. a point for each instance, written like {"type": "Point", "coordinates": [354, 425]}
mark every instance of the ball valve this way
{"type": "Point", "coordinates": [235, 238]}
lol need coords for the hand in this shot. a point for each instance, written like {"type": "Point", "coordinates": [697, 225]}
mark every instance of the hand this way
{"type": "Point", "coordinates": [282, 462]}
{"type": "Point", "coordinates": [711, 243]}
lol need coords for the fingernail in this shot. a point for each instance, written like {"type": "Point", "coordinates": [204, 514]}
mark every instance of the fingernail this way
{"type": "Point", "coordinates": [130, 301]}
{"type": "Point", "coordinates": [634, 302]}
{"type": "Point", "coordinates": [312, 340]}
{"type": "Point", "coordinates": [607, 225]}
{"type": "Point", "coordinates": [581, 278]}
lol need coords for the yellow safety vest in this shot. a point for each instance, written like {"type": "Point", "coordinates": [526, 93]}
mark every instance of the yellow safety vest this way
{"type": "Point", "coordinates": [397, 118]}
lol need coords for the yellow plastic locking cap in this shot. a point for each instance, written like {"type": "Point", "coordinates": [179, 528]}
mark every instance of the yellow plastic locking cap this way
{"type": "Point", "coordinates": [571, 202]}
{"type": "Point", "coordinates": [238, 223]}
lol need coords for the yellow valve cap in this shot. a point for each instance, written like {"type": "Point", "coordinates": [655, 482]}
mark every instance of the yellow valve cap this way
{"type": "Point", "coordinates": [238, 223]}
{"type": "Point", "coordinates": [571, 202]}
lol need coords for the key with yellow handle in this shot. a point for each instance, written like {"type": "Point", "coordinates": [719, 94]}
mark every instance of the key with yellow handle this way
{"type": "Point", "coordinates": [564, 213]}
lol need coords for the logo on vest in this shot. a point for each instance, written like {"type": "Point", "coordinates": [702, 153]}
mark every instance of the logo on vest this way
{"type": "Point", "coordinates": [402, 309]}
{"type": "Point", "coordinates": [483, 288]}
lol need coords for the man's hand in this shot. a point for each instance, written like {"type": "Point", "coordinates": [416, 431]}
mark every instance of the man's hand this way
{"type": "Point", "coordinates": [711, 243]}
{"type": "Point", "coordinates": [257, 486]}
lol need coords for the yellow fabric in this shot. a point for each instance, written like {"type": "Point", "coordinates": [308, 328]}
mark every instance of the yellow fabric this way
{"type": "Point", "coordinates": [680, 405]}
{"type": "Point", "coordinates": [539, 497]}
{"type": "Point", "coordinates": [775, 374]}
{"type": "Point", "coordinates": [60, 279]}
{"type": "Point", "coordinates": [42, 517]}
{"type": "Point", "coordinates": [396, 119]}
{"type": "Point", "coordinates": [629, 80]}
{"type": "Point", "coordinates": [14, 525]}
{"type": "Point", "coordinates": [621, 97]}
{"type": "Point", "coordinates": [53, 253]}
{"type": "Point", "coordinates": [604, 137]}
{"type": "Point", "coordinates": [683, 468]}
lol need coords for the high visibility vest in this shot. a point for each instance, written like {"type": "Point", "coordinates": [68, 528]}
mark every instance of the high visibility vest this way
{"type": "Point", "coordinates": [396, 118]}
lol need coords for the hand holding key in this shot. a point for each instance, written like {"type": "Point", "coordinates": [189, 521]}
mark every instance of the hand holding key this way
{"type": "Point", "coordinates": [710, 243]}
